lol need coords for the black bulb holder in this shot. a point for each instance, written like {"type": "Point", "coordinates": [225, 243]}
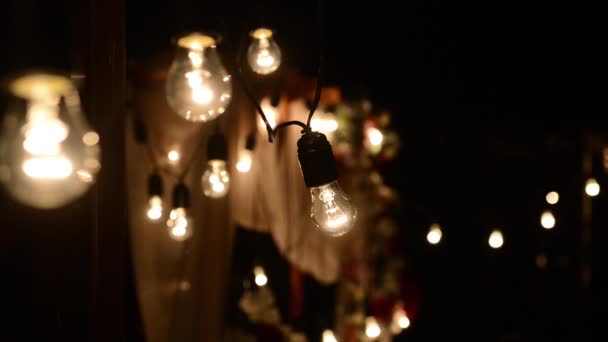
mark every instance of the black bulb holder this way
{"type": "Point", "coordinates": [217, 148]}
{"type": "Point", "coordinates": [155, 185]}
{"type": "Point", "coordinates": [181, 196]}
{"type": "Point", "coordinates": [316, 159]}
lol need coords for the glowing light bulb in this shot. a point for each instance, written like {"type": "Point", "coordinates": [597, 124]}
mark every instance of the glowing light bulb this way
{"type": "Point", "coordinates": [260, 276]}
{"type": "Point", "coordinates": [372, 329]}
{"type": "Point", "coordinates": [374, 136]}
{"type": "Point", "coordinates": [216, 179]}
{"type": "Point", "coordinates": [434, 235]}
{"type": "Point", "coordinates": [547, 220]}
{"type": "Point", "coordinates": [332, 210]}
{"type": "Point", "coordinates": [155, 209]}
{"type": "Point", "coordinates": [592, 187]}
{"type": "Point", "coordinates": [198, 87]}
{"type": "Point", "coordinates": [173, 156]}
{"type": "Point", "coordinates": [400, 321]}
{"type": "Point", "coordinates": [48, 154]}
{"type": "Point", "coordinates": [179, 225]}
{"type": "Point", "coordinates": [325, 123]}
{"type": "Point", "coordinates": [245, 160]}
{"type": "Point", "coordinates": [496, 239]}
{"type": "Point", "coordinates": [264, 55]}
{"type": "Point", "coordinates": [552, 197]}
{"type": "Point", "coordinates": [328, 336]}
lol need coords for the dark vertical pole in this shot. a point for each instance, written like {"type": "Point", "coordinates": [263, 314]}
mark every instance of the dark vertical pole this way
{"type": "Point", "coordinates": [106, 99]}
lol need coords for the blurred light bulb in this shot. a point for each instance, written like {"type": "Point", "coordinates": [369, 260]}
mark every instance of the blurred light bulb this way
{"type": "Point", "coordinates": [400, 321]}
{"type": "Point", "coordinates": [245, 160]}
{"type": "Point", "coordinates": [272, 114]}
{"type": "Point", "coordinates": [260, 276]}
{"type": "Point", "coordinates": [325, 123]}
{"type": "Point", "coordinates": [496, 240]}
{"type": "Point", "coordinates": [155, 209]}
{"type": "Point", "coordinates": [372, 329]}
{"type": "Point", "coordinates": [173, 156]}
{"type": "Point", "coordinates": [328, 336]}
{"type": "Point", "coordinates": [434, 235]}
{"type": "Point", "coordinates": [592, 187]}
{"type": "Point", "coordinates": [552, 197]}
{"type": "Point", "coordinates": [332, 210]}
{"type": "Point", "coordinates": [179, 225]}
{"type": "Point", "coordinates": [264, 55]}
{"type": "Point", "coordinates": [374, 136]}
{"type": "Point", "coordinates": [216, 180]}
{"type": "Point", "coordinates": [48, 155]}
{"type": "Point", "coordinates": [547, 220]}
{"type": "Point", "coordinates": [198, 87]}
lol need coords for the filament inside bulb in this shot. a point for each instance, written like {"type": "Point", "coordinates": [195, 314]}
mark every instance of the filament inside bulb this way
{"type": "Point", "coordinates": [335, 216]}
{"type": "Point", "coordinates": [48, 167]}
{"type": "Point", "coordinates": [155, 211]}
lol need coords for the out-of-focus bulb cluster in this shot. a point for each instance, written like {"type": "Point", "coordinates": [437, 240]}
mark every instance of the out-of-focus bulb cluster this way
{"type": "Point", "coordinates": [325, 123]}
{"type": "Point", "coordinates": [271, 112]}
{"type": "Point", "coordinates": [155, 209]}
{"type": "Point", "coordinates": [179, 224]}
{"type": "Point", "coordinates": [246, 155]}
{"type": "Point", "coordinates": [264, 55]}
{"type": "Point", "coordinates": [216, 180]}
{"type": "Point", "coordinates": [198, 87]}
{"type": "Point", "coordinates": [48, 155]}
{"type": "Point", "coordinates": [434, 235]}
{"type": "Point", "coordinates": [260, 277]}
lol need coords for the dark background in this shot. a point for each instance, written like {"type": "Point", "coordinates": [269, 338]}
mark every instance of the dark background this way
{"type": "Point", "coordinates": [495, 103]}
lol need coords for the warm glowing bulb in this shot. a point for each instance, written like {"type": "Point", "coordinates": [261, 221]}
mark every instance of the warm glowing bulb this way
{"type": "Point", "coordinates": [547, 220]}
{"type": "Point", "coordinates": [372, 329]}
{"type": "Point", "coordinates": [179, 224]}
{"type": "Point", "coordinates": [173, 156]}
{"type": "Point", "coordinates": [155, 209]}
{"type": "Point", "coordinates": [496, 240]}
{"type": "Point", "coordinates": [264, 55]}
{"type": "Point", "coordinates": [216, 179]}
{"type": "Point", "coordinates": [48, 154]}
{"type": "Point", "coordinates": [260, 276]}
{"type": "Point", "coordinates": [592, 187]}
{"type": "Point", "coordinates": [332, 210]}
{"type": "Point", "coordinates": [198, 87]}
{"type": "Point", "coordinates": [434, 235]}
{"type": "Point", "coordinates": [375, 137]}
{"type": "Point", "coordinates": [325, 123]}
{"type": "Point", "coordinates": [328, 336]}
{"type": "Point", "coordinates": [245, 160]}
{"type": "Point", "coordinates": [552, 197]}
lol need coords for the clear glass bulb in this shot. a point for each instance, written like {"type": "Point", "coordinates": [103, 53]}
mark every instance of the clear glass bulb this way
{"type": "Point", "coordinates": [264, 55]}
{"type": "Point", "coordinates": [198, 87]}
{"type": "Point", "coordinates": [592, 187]}
{"type": "Point", "coordinates": [547, 220]}
{"type": "Point", "coordinates": [179, 224]}
{"type": "Point", "coordinates": [216, 179]}
{"type": "Point", "coordinates": [372, 328]}
{"type": "Point", "coordinates": [496, 239]}
{"type": "Point", "coordinates": [260, 276]}
{"type": "Point", "coordinates": [332, 210]}
{"type": "Point", "coordinates": [245, 160]}
{"type": "Point", "coordinates": [552, 197]}
{"type": "Point", "coordinates": [328, 336]}
{"type": "Point", "coordinates": [155, 208]}
{"type": "Point", "coordinates": [48, 154]}
{"type": "Point", "coordinates": [435, 234]}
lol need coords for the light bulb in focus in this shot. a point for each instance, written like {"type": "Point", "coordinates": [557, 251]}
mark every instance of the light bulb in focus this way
{"type": "Point", "coordinates": [328, 336]}
{"type": "Point", "coordinates": [332, 210]}
{"type": "Point", "coordinates": [552, 197]}
{"type": "Point", "coordinates": [592, 187]}
{"type": "Point", "coordinates": [216, 179]}
{"type": "Point", "coordinates": [547, 220]}
{"type": "Point", "coordinates": [179, 224]}
{"type": "Point", "coordinates": [260, 276]}
{"type": "Point", "coordinates": [264, 55]}
{"type": "Point", "coordinates": [245, 160]}
{"type": "Point", "coordinates": [372, 328]}
{"type": "Point", "coordinates": [434, 235]}
{"type": "Point", "coordinates": [496, 239]}
{"type": "Point", "coordinates": [198, 87]}
{"type": "Point", "coordinates": [48, 154]}
{"type": "Point", "coordinates": [155, 208]}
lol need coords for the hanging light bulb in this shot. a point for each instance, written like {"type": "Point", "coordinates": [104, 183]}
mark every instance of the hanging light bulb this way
{"type": "Point", "coordinates": [325, 123]}
{"type": "Point", "coordinates": [198, 87]}
{"type": "Point", "coordinates": [246, 155]}
{"type": "Point", "coordinates": [434, 235]}
{"type": "Point", "coordinates": [331, 209]}
{"type": "Point", "coordinates": [155, 202]}
{"type": "Point", "coordinates": [48, 154]}
{"type": "Point", "coordinates": [372, 328]}
{"type": "Point", "coordinates": [552, 197]}
{"type": "Point", "coordinates": [547, 220]}
{"type": "Point", "coordinates": [328, 336]}
{"type": "Point", "coordinates": [179, 223]}
{"type": "Point", "coordinates": [260, 276]}
{"type": "Point", "coordinates": [264, 55]}
{"type": "Point", "coordinates": [216, 179]}
{"type": "Point", "coordinates": [496, 240]}
{"type": "Point", "coordinates": [592, 187]}
{"type": "Point", "coordinates": [400, 321]}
